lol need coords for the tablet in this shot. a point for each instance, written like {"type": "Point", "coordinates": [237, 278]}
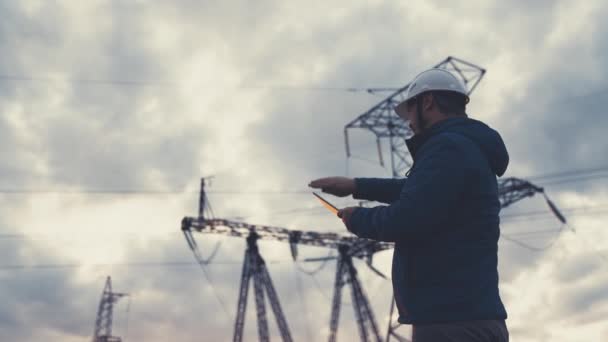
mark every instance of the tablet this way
{"type": "Point", "coordinates": [327, 205]}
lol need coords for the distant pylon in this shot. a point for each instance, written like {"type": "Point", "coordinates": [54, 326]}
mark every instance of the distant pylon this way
{"type": "Point", "coordinates": [103, 323]}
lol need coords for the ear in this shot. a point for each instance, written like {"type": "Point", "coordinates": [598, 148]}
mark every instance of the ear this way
{"type": "Point", "coordinates": [427, 101]}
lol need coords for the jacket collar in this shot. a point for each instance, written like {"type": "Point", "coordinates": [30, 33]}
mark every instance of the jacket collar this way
{"type": "Point", "coordinates": [415, 143]}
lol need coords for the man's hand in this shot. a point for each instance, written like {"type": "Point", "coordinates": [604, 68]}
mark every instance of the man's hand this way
{"type": "Point", "coordinates": [337, 186]}
{"type": "Point", "coordinates": [345, 215]}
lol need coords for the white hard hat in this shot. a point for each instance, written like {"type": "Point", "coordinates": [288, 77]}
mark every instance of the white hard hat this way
{"type": "Point", "coordinates": [435, 79]}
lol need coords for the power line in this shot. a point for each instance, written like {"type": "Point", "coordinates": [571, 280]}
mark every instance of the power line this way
{"type": "Point", "coordinates": [319, 287]}
{"type": "Point", "coordinates": [568, 173]}
{"type": "Point", "coordinates": [295, 211]}
{"type": "Point", "coordinates": [14, 191]}
{"type": "Point", "coordinates": [518, 216]}
{"type": "Point", "coordinates": [158, 83]}
{"type": "Point", "coordinates": [559, 231]}
{"type": "Point", "coordinates": [215, 292]}
{"type": "Point", "coordinates": [46, 236]}
{"type": "Point", "coordinates": [530, 247]}
{"type": "Point", "coordinates": [563, 177]}
{"type": "Point", "coordinates": [574, 179]}
{"type": "Point", "coordinates": [536, 232]}
{"type": "Point", "coordinates": [138, 192]}
{"type": "Point", "coordinates": [125, 264]}
{"type": "Point", "coordinates": [9, 191]}
{"type": "Point", "coordinates": [572, 210]}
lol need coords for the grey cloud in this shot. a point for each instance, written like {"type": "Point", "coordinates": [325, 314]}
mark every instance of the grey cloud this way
{"type": "Point", "coordinates": [568, 130]}
{"type": "Point", "coordinates": [88, 141]}
{"type": "Point", "coordinates": [40, 303]}
{"type": "Point", "coordinates": [579, 268]}
{"type": "Point", "coordinates": [97, 136]}
{"type": "Point", "coordinates": [560, 121]}
{"type": "Point", "coordinates": [588, 298]}
{"type": "Point", "coordinates": [117, 158]}
{"type": "Point", "coordinates": [13, 166]}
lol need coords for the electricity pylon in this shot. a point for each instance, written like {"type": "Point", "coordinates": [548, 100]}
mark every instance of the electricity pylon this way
{"type": "Point", "coordinates": [103, 323]}
{"type": "Point", "coordinates": [384, 123]}
{"type": "Point", "coordinates": [348, 246]}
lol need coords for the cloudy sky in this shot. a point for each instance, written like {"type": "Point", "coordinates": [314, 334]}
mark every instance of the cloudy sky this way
{"type": "Point", "coordinates": [111, 111]}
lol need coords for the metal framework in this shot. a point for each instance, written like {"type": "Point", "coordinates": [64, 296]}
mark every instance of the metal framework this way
{"type": "Point", "coordinates": [347, 274]}
{"type": "Point", "coordinates": [384, 123]}
{"type": "Point", "coordinates": [255, 267]}
{"type": "Point", "coordinates": [348, 246]}
{"type": "Point", "coordinates": [358, 248]}
{"type": "Point", "coordinates": [103, 323]}
{"type": "Point", "coordinates": [511, 190]}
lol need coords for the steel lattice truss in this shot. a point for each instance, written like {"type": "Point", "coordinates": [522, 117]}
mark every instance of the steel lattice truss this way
{"type": "Point", "coordinates": [366, 322]}
{"type": "Point", "coordinates": [255, 267]}
{"type": "Point", "coordinates": [348, 246]}
{"type": "Point", "coordinates": [103, 322]}
{"type": "Point", "coordinates": [384, 123]}
{"type": "Point", "coordinates": [511, 190]}
{"type": "Point", "coordinates": [359, 248]}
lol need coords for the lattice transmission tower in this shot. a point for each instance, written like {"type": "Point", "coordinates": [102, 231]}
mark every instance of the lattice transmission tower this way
{"type": "Point", "coordinates": [103, 323]}
{"type": "Point", "coordinates": [385, 124]}
{"type": "Point", "coordinates": [348, 246]}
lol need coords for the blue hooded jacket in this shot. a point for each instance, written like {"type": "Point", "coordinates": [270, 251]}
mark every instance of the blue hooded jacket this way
{"type": "Point", "coordinates": [444, 221]}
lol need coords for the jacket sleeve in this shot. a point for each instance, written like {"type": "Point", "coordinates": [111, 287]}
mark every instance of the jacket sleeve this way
{"type": "Point", "coordinates": [385, 190]}
{"type": "Point", "coordinates": [427, 200]}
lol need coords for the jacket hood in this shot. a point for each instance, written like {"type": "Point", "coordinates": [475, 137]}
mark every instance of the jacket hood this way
{"type": "Point", "coordinates": [486, 138]}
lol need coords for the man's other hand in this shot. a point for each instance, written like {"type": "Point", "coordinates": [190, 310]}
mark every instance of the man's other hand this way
{"type": "Point", "coordinates": [337, 186]}
{"type": "Point", "coordinates": [345, 214]}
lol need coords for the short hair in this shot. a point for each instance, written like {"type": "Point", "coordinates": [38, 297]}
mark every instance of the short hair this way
{"type": "Point", "coordinates": [450, 102]}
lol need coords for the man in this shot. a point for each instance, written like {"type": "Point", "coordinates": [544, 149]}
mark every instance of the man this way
{"type": "Point", "coordinates": [443, 217]}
